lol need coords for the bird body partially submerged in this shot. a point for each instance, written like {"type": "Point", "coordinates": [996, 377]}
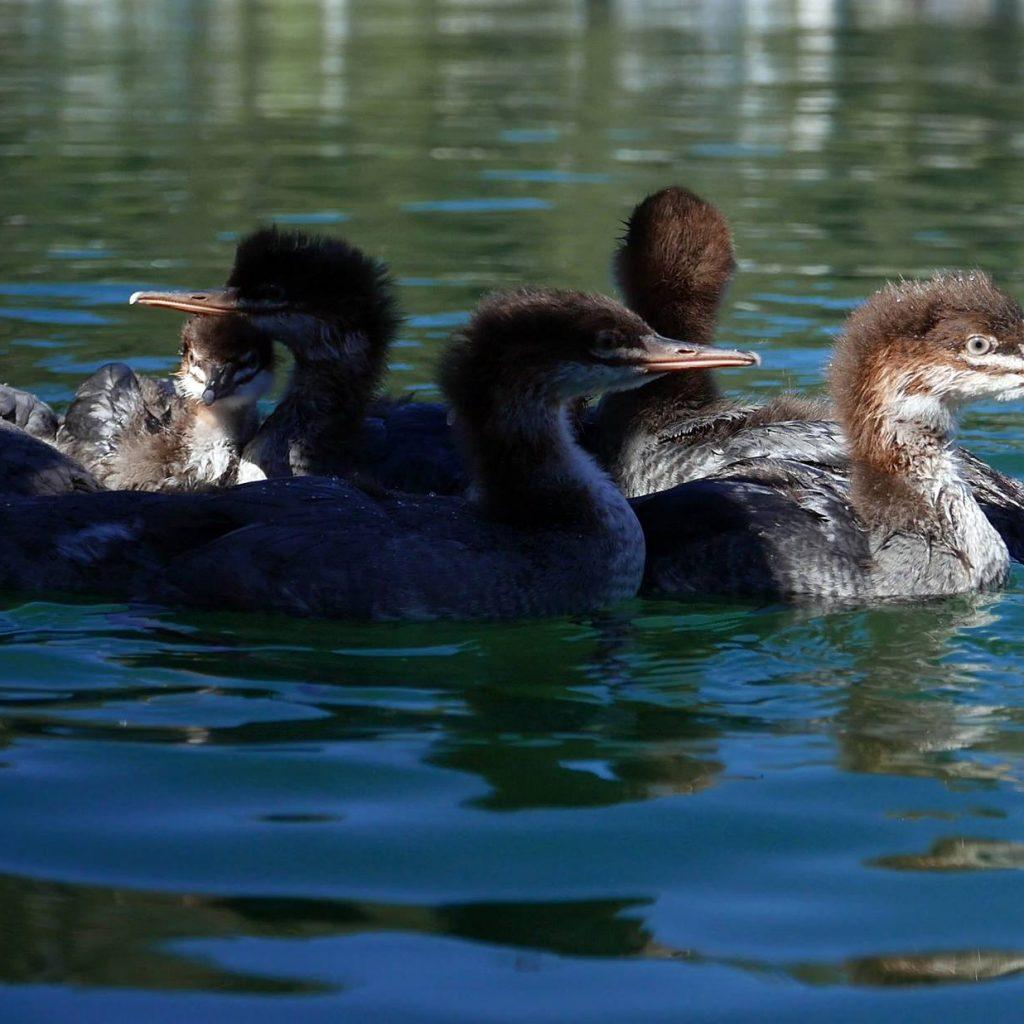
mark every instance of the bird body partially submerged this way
{"type": "Point", "coordinates": [904, 523]}
{"type": "Point", "coordinates": [545, 533]}
{"type": "Point", "coordinates": [31, 468]}
{"type": "Point", "coordinates": [674, 266]}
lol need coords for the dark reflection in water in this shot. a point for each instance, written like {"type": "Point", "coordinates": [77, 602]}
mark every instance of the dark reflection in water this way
{"type": "Point", "coordinates": [545, 724]}
{"type": "Point", "coordinates": [907, 715]}
{"type": "Point", "coordinates": [106, 938]}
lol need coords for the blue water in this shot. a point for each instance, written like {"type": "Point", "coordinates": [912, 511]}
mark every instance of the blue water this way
{"type": "Point", "coordinates": [667, 812]}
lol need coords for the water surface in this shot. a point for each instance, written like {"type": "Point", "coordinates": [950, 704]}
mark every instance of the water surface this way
{"type": "Point", "coordinates": [666, 812]}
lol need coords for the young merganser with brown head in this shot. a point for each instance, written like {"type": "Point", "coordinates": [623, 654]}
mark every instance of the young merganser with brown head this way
{"type": "Point", "coordinates": [545, 532]}
{"type": "Point", "coordinates": [907, 523]}
{"type": "Point", "coordinates": [135, 433]}
{"type": "Point", "coordinates": [673, 266]}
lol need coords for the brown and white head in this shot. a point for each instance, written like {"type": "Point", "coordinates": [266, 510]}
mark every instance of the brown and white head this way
{"type": "Point", "coordinates": [224, 361]}
{"type": "Point", "coordinates": [917, 351]}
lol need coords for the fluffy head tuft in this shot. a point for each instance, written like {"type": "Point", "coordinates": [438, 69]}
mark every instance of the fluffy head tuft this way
{"type": "Point", "coordinates": [319, 276]}
{"type": "Point", "coordinates": [675, 262]}
{"type": "Point", "coordinates": [912, 335]}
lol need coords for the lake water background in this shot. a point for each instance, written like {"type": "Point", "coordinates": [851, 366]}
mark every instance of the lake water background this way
{"type": "Point", "coordinates": [666, 812]}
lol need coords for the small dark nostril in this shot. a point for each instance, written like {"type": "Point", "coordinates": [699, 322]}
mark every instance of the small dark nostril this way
{"type": "Point", "coordinates": [201, 295]}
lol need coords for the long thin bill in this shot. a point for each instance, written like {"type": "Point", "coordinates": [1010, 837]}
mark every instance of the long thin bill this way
{"type": "Point", "coordinates": [210, 303]}
{"type": "Point", "coordinates": [663, 355]}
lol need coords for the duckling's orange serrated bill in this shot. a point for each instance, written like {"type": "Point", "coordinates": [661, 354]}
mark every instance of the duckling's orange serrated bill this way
{"type": "Point", "coordinates": [210, 303]}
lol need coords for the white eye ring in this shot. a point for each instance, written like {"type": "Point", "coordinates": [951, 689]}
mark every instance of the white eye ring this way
{"type": "Point", "coordinates": [980, 344]}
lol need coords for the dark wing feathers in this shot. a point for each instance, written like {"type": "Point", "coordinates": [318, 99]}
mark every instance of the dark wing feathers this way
{"type": "Point", "coordinates": [30, 467]}
{"type": "Point", "coordinates": [733, 441]}
{"type": "Point", "coordinates": [111, 410]}
{"type": "Point", "coordinates": [410, 446]}
{"type": "Point", "coordinates": [1001, 498]}
{"type": "Point", "coordinates": [773, 529]}
{"type": "Point", "coordinates": [29, 413]}
{"type": "Point", "coordinates": [109, 405]}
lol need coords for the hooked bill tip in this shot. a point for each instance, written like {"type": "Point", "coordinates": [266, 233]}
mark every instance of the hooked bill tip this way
{"type": "Point", "coordinates": [133, 298]}
{"type": "Point", "coordinates": [209, 397]}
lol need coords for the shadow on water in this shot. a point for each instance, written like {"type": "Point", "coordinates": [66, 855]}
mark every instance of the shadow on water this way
{"type": "Point", "coordinates": [120, 938]}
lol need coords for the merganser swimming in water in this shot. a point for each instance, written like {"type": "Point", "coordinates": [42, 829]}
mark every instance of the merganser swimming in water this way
{"type": "Point", "coordinates": [137, 433]}
{"type": "Point", "coordinates": [334, 307]}
{"type": "Point", "coordinates": [545, 533]}
{"type": "Point", "coordinates": [674, 266]}
{"type": "Point", "coordinates": [906, 524]}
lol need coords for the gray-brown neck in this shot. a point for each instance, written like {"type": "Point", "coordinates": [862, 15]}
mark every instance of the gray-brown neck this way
{"type": "Point", "coordinates": [673, 268]}
{"type": "Point", "coordinates": [528, 468]}
{"type": "Point", "coordinates": [900, 439]}
{"type": "Point", "coordinates": [335, 377]}
{"type": "Point", "coordinates": [907, 482]}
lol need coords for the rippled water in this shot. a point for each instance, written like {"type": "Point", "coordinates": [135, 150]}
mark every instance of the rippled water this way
{"type": "Point", "coordinates": [670, 812]}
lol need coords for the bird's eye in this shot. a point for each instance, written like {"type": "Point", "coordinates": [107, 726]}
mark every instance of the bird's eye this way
{"type": "Point", "coordinates": [609, 339]}
{"type": "Point", "coordinates": [980, 344]}
{"type": "Point", "coordinates": [271, 293]}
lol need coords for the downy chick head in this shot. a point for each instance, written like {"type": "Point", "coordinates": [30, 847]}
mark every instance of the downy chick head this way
{"type": "Point", "coordinates": [549, 347]}
{"type": "Point", "coordinates": [224, 360]}
{"type": "Point", "coordinates": [917, 351]}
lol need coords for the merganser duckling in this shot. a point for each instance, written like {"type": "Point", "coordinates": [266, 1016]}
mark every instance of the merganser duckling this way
{"type": "Point", "coordinates": [334, 307]}
{"type": "Point", "coordinates": [907, 524]}
{"type": "Point", "coordinates": [545, 532]}
{"type": "Point", "coordinates": [674, 266]}
{"type": "Point", "coordinates": [140, 434]}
